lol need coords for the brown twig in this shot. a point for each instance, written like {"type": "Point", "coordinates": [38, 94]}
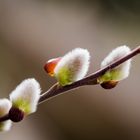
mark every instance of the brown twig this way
{"type": "Point", "coordinates": [56, 89]}
{"type": "Point", "coordinates": [89, 80]}
{"type": "Point", "coordinates": [4, 118]}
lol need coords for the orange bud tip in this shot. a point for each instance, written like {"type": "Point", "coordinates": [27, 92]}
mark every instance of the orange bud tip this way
{"type": "Point", "coordinates": [109, 84]}
{"type": "Point", "coordinates": [50, 65]}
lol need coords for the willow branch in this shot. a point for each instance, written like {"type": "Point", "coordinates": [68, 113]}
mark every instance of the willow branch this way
{"type": "Point", "coordinates": [89, 80]}
{"type": "Point", "coordinates": [4, 118]}
{"type": "Point", "coordinates": [56, 89]}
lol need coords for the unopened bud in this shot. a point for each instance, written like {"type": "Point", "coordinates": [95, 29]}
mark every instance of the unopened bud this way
{"type": "Point", "coordinates": [109, 84]}
{"type": "Point", "coordinates": [50, 65]}
{"type": "Point", "coordinates": [16, 115]}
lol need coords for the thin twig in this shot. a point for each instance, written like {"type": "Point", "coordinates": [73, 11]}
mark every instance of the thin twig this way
{"type": "Point", "coordinates": [4, 118]}
{"type": "Point", "coordinates": [89, 80]}
{"type": "Point", "coordinates": [56, 89]}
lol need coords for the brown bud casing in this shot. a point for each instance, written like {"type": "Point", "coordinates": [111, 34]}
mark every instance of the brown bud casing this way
{"type": "Point", "coordinates": [109, 84]}
{"type": "Point", "coordinates": [50, 65]}
{"type": "Point", "coordinates": [16, 115]}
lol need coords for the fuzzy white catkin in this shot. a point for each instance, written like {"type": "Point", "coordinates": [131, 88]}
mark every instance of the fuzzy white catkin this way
{"type": "Point", "coordinates": [116, 54]}
{"type": "Point", "coordinates": [76, 61]}
{"type": "Point", "coordinates": [5, 106]}
{"type": "Point", "coordinates": [29, 91]}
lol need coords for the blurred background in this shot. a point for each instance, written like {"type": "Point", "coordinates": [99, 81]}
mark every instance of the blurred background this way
{"type": "Point", "coordinates": [33, 31]}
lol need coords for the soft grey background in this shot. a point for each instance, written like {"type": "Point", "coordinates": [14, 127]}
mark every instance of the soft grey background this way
{"type": "Point", "coordinates": [33, 31]}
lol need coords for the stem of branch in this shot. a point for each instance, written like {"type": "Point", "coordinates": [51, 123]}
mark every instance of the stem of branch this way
{"type": "Point", "coordinates": [89, 80]}
{"type": "Point", "coordinates": [56, 89]}
{"type": "Point", "coordinates": [4, 118]}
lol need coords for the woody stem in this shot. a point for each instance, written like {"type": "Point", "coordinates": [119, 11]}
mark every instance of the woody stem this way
{"type": "Point", "coordinates": [56, 89]}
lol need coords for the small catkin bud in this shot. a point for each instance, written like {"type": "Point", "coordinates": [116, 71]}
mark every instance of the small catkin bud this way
{"type": "Point", "coordinates": [5, 106]}
{"type": "Point", "coordinates": [16, 115]}
{"type": "Point", "coordinates": [72, 67]}
{"type": "Point", "coordinates": [113, 76]}
{"type": "Point", "coordinates": [109, 84]}
{"type": "Point", "coordinates": [50, 65]}
{"type": "Point", "coordinates": [25, 97]}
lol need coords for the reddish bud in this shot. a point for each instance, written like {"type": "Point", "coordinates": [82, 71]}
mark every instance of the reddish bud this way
{"type": "Point", "coordinates": [16, 115]}
{"type": "Point", "coordinates": [109, 84]}
{"type": "Point", "coordinates": [50, 65]}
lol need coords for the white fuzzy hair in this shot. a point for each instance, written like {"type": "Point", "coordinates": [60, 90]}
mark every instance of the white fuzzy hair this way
{"type": "Point", "coordinates": [29, 90]}
{"type": "Point", "coordinates": [77, 61]}
{"type": "Point", "coordinates": [5, 106]}
{"type": "Point", "coordinates": [116, 54]}
{"type": "Point", "coordinates": [5, 126]}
